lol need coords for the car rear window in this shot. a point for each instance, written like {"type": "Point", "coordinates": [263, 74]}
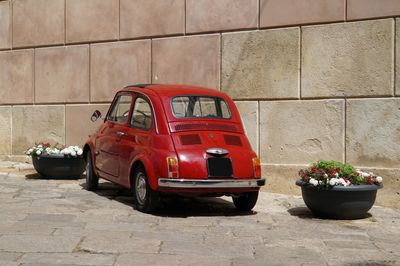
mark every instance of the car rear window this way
{"type": "Point", "coordinates": [200, 107]}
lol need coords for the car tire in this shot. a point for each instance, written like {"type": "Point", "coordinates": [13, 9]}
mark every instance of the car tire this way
{"type": "Point", "coordinates": [246, 201]}
{"type": "Point", "coordinates": [145, 199]}
{"type": "Point", "coordinates": [92, 180]}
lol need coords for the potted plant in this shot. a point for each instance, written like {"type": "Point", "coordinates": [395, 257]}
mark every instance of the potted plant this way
{"type": "Point", "coordinates": [337, 190]}
{"type": "Point", "coordinates": [57, 161]}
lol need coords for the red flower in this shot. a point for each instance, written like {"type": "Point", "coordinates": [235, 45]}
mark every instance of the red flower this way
{"type": "Point", "coordinates": [331, 171]}
{"type": "Point", "coordinates": [313, 169]}
{"type": "Point", "coordinates": [337, 169]}
{"type": "Point", "coordinates": [370, 181]}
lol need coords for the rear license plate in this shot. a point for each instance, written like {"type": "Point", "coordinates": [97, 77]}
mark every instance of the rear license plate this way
{"type": "Point", "coordinates": [219, 167]}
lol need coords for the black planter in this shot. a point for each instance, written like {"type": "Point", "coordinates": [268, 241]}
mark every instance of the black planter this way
{"type": "Point", "coordinates": [338, 202]}
{"type": "Point", "coordinates": [58, 166]}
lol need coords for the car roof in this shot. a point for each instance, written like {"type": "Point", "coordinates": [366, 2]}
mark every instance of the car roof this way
{"type": "Point", "coordinates": [173, 90]}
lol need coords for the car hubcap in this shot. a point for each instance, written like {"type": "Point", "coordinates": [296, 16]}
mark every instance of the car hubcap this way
{"type": "Point", "coordinates": [141, 188]}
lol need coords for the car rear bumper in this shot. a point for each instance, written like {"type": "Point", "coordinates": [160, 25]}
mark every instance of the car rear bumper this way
{"type": "Point", "coordinates": [210, 183]}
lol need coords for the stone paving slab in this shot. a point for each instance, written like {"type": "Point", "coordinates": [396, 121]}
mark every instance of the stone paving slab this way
{"type": "Point", "coordinates": [57, 222]}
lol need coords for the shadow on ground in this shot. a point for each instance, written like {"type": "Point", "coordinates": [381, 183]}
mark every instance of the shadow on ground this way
{"type": "Point", "coordinates": [38, 176]}
{"type": "Point", "coordinates": [305, 213]}
{"type": "Point", "coordinates": [174, 206]}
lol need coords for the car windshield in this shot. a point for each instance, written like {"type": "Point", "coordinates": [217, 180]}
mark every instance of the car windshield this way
{"type": "Point", "coordinates": [200, 107]}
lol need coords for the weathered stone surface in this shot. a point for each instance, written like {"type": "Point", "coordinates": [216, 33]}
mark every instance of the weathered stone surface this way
{"type": "Point", "coordinates": [210, 15]}
{"type": "Point", "coordinates": [115, 65]}
{"type": "Point", "coordinates": [170, 259]}
{"type": "Point", "coordinates": [62, 74]}
{"type": "Point", "coordinates": [68, 259]}
{"type": "Point", "coordinates": [281, 178]}
{"type": "Point", "coordinates": [16, 76]}
{"type": "Point", "coordinates": [299, 132]}
{"type": "Point", "coordinates": [5, 129]}
{"type": "Point", "coordinates": [35, 243]}
{"type": "Point", "coordinates": [32, 124]}
{"type": "Point", "coordinates": [38, 22]}
{"type": "Point", "coordinates": [141, 18]}
{"type": "Point", "coordinates": [78, 125]}
{"type": "Point", "coordinates": [359, 9]}
{"type": "Point", "coordinates": [119, 243]}
{"type": "Point", "coordinates": [292, 12]}
{"type": "Point", "coordinates": [5, 24]}
{"type": "Point", "coordinates": [348, 59]}
{"type": "Point", "coordinates": [373, 132]}
{"type": "Point", "coordinates": [92, 20]}
{"type": "Point", "coordinates": [262, 64]}
{"type": "Point", "coordinates": [249, 113]}
{"type": "Point", "coordinates": [397, 57]}
{"type": "Point", "coordinates": [187, 60]}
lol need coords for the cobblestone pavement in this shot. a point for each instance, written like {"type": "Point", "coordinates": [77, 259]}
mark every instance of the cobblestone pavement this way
{"type": "Point", "coordinates": [57, 222]}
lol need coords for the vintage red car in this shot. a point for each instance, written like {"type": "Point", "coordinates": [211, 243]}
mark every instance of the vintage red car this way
{"type": "Point", "coordinates": [170, 139]}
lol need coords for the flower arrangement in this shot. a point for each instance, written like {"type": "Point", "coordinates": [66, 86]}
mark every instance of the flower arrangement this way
{"type": "Point", "coordinates": [332, 173]}
{"type": "Point", "coordinates": [44, 148]}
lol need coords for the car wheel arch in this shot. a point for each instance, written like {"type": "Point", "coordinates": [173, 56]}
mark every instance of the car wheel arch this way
{"type": "Point", "coordinates": [146, 165]}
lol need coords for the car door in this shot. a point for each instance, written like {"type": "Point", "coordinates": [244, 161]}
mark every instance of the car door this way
{"type": "Point", "coordinates": [137, 142]}
{"type": "Point", "coordinates": [109, 138]}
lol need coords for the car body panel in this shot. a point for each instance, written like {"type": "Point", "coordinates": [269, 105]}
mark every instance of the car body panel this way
{"type": "Point", "coordinates": [117, 148]}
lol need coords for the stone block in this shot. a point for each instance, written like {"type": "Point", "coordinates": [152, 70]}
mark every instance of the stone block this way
{"type": "Point", "coordinates": [16, 76]}
{"type": "Point", "coordinates": [281, 178]}
{"type": "Point", "coordinates": [210, 15]}
{"type": "Point", "coordinates": [249, 113]}
{"type": "Point", "coordinates": [397, 74]}
{"type": "Point", "coordinates": [293, 12]}
{"type": "Point", "coordinates": [262, 64]}
{"type": "Point", "coordinates": [5, 24]}
{"type": "Point", "coordinates": [38, 22]}
{"type": "Point", "coordinates": [74, 258]}
{"type": "Point", "coordinates": [5, 130]}
{"type": "Point", "coordinates": [115, 65]}
{"type": "Point", "coordinates": [373, 132]}
{"type": "Point", "coordinates": [300, 132]}
{"type": "Point", "coordinates": [34, 243]}
{"type": "Point", "coordinates": [187, 60]}
{"type": "Point", "coordinates": [78, 125]}
{"type": "Point", "coordinates": [92, 20]}
{"type": "Point", "coordinates": [141, 18]}
{"type": "Point", "coordinates": [32, 124]}
{"type": "Point", "coordinates": [348, 59]}
{"type": "Point", "coordinates": [360, 9]}
{"type": "Point", "coordinates": [62, 74]}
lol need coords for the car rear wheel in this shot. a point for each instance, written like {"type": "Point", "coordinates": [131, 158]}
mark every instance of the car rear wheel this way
{"type": "Point", "coordinates": [92, 180]}
{"type": "Point", "coordinates": [146, 199]}
{"type": "Point", "coordinates": [246, 201]}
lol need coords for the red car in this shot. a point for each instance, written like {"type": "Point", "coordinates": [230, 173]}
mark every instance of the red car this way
{"type": "Point", "coordinates": [168, 139]}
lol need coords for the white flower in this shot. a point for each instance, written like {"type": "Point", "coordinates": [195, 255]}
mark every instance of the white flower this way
{"type": "Point", "coordinates": [79, 152]}
{"type": "Point", "coordinates": [364, 174]}
{"type": "Point", "coordinates": [332, 182]}
{"type": "Point", "coordinates": [38, 152]}
{"type": "Point", "coordinates": [379, 179]}
{"type": "Point", "coordinates": [40, 146]}
{"type": "Point", "coordinates": [337, 175]}
{"type": "Point", "coordinates": [313, 182]}
{"type": "Point", "coordinates": [73, 153]}
{"type": "Point", "coordinates": [326, 175]}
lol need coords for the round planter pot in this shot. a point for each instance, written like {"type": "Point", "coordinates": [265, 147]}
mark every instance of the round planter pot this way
{"type": "Point", "coordinates": [58, 166]}
{"type": "Point", "coordinates": [339, 202]}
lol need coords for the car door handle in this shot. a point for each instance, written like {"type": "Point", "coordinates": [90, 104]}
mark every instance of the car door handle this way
{"type": "Point", "coordinates": [120, 134]}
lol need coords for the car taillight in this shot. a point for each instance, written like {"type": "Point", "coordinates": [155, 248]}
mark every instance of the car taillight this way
{"type": "Point", "coordinates": [172, 165]}
{"type": "Point", "coordinates": [257, 167]}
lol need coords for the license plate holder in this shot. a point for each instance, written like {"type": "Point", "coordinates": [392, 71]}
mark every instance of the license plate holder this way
{"type": "Point", "coordinates": [219, 167]}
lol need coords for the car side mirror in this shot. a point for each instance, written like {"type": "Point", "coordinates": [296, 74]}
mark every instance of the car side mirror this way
{"type": "Point", "coordinates": [96, 115]}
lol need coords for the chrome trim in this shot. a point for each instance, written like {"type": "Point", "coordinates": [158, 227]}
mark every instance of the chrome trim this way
{"type": "Point", "coordinates": [210, 183]}
{"type": "Point", "coordinates": [217, 151]}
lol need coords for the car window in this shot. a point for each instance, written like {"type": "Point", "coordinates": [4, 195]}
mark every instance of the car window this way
{"type": "Point", "coordinates": [141, 116]}
{"type": "Point", "coordinates": [120, 111]}
{"type": "Point", "coordinates": [200, 107]}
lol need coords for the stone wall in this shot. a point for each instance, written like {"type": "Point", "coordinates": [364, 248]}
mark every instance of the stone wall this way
{"type": "Point", "coordinates": [312, 79]}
